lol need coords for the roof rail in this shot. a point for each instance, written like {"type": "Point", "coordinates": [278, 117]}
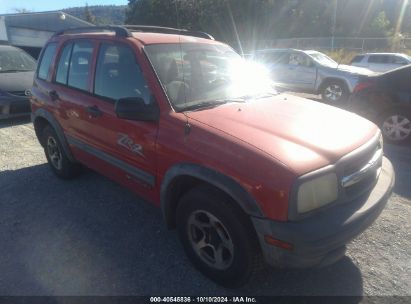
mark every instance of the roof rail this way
{"type": "Point", "coordinates": [167, 30]}
{"type": "Point", "coordinates": [118, 30]}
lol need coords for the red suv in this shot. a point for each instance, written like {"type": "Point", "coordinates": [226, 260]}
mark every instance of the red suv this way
{"type": "Point", "coordinates": [243, 173]}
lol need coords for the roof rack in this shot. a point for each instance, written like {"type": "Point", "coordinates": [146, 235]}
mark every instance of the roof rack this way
{"type": "Point", "coordinates": [167, 30]}
{"type": "Point", "coordinates": [118, 30]}
{"type": "Point", "coordinates": [124, 30]}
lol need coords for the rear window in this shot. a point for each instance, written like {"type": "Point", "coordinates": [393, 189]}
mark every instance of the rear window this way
{"type": "Point", "coordinates": [357, 59]}
{"type": "Point", "coordinates": [46, 60]}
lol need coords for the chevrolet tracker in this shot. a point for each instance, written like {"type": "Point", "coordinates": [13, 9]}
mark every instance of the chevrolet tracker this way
{"type": "Point", "coordinates": [246, 175]}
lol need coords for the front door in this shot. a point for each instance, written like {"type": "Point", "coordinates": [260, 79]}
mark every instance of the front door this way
{"type": "Point", "coordinates": [122, 149]}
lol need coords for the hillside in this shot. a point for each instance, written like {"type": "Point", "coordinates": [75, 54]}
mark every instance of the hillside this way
{"type": "Point", "coordinates": [104, 14]}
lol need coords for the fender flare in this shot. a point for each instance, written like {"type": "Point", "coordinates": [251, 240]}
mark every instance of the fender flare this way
{"type": "Point", "coordinates": [223, 182]}
{"type": "Point", "coordinates": [42, 113]}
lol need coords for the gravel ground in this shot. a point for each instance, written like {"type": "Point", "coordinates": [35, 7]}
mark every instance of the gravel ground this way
{"type": "Point", "coordinates": [91, 237]}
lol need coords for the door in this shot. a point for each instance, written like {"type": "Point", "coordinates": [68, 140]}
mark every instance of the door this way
{"type": "Point", "coordinates": [72, 85]}
{"type": "Point", "coordinates": [302, 72]}
{"type": "Point", "coordinates": [126, 145]}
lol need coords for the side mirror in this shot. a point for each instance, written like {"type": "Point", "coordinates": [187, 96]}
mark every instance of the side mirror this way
{"type": "Point", "coordinates": [134, 108]}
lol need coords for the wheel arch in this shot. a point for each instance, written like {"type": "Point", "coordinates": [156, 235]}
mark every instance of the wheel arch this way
{"type": "Point", "coordinates": [183, 177]}
{"type": "Point", "coordinates": [42, 118]}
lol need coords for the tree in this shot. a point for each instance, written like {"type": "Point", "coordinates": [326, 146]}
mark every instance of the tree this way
{"type": "Point", "coordinates": [380, 25]}
{"type": "Point", "coordinates": [88, 16]}
{"type": "Point", "coordinates": [22, 10]}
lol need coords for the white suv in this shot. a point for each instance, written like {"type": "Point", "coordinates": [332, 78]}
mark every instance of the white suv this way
{"type": "Point", "coordinates": [381, 62]}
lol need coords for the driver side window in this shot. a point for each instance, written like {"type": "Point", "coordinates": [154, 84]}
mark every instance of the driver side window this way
{"type": "Point", "coordinates": [300, 59]}
{"type": "Point", "coordinates": [118, 75]}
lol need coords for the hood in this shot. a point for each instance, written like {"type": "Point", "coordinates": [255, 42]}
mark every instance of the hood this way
{"type": "Point", "coordinates": [16, 81]}
{"type": "Point", "coordinates": [355, 70]}
{"type": "Point", "coordinates": [301, 134]}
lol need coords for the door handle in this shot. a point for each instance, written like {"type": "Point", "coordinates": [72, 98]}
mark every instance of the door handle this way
{"type": "Point", "coordinates": [54, 95]}
{"type": "Point", "coordinates": [94, 111]}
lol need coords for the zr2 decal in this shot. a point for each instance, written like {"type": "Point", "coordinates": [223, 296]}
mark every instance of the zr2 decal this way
{"type": "Point", "coordinates": [129, 144]}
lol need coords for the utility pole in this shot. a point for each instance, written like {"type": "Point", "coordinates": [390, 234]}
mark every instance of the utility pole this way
{"type": "Point", "coordinates": [334, 25]}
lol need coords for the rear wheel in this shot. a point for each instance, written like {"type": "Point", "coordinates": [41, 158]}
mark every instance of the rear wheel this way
{"type": "Point", "coordinates": [56, 157]}
{"type": "Point", "coordinates": [396, 126]}
{"type": "Point", "coordinates": [334, 92]}
{"type": "Point", "coordinates": [217, 237]}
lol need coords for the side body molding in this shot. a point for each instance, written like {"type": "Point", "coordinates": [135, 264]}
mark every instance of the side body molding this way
{"type": "Point", "coordinates": [42, 113]}
{"type": "Point", "coordinates": [217, 179]}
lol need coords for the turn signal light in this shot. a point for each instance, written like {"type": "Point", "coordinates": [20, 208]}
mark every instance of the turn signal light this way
{"type": "Point", "coordinates": [362, 85]}
{"type": "Point", "coordinates": [272, 241]}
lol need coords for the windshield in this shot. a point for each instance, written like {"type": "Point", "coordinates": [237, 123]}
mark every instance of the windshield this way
{"type": "Point", "coordinates": [14, 60]}
{"type": "Point", "coordinates": [196, 75]}
{"type": "Point", "coordinates": [323, 59]}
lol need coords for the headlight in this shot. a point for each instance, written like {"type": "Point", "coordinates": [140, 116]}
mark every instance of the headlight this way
{"type": "Point", "coordinates": [317, 192]}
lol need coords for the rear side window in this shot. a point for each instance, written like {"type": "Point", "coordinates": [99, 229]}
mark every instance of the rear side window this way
{"type": "Point", "coordinates": [79, 68]}
{"type": "Point", "coordinates": [46, 60]}
{"type": "Point", "coordinates": [273, 57]}
{"type": "Point", "coordinates": [379, 59]}
{"type": "Point", "coordinates": [63, 65]}
{"type": "Point", "coordinates": [118, 75]}
{"type": "Point", "coordinates": [357, 59]}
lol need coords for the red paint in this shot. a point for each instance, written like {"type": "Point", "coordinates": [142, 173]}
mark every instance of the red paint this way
{"type": "Point", "coordinates": [264, 147]}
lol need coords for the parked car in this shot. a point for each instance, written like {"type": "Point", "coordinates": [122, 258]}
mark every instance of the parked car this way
{"type": "Point", "coordinates": [16, 78]}
{"type": "Point", "coordinates": [381, 62]}
{"type": "Point", "coordinates": [386, 100]}
{"type": "Point", "coordinates": [243, 173]}
{"type": "Point", "coordinates": [310, 72]}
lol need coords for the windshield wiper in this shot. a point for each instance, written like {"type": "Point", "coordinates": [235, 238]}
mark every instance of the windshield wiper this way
{"type": "Point", "coordinates": [212, 103]}
{"type": "Point", "coordinates": [14, 71]}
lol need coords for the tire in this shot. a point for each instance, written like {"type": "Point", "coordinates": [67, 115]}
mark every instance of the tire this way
{"type": "Point", "coordinates": [207, 221]}
{"type": "Point", "coordinates": [334, 92]}
{"type": "Point", "coordinates": [396, 126]}
{"type": "Point", "coordinates": [56, 157]}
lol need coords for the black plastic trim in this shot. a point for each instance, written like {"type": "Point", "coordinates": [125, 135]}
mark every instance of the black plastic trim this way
{"type": "Point", "coordinates": [217, 179]}
{"type": "Point", "coordinates": [139, 174]}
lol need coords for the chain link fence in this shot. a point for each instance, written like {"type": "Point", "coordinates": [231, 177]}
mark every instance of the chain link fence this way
{"type": "Point", "coordinates": [390, 44]}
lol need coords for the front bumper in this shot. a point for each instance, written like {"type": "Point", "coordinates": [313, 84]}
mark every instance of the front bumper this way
{"type": "Point", "coordinates": [320, 239]}
{"type": "Point", "coordinates": [14, 107]}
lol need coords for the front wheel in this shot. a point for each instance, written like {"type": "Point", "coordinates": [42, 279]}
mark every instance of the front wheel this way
{"type": "Point", "coordinates": [396, 126]}
{"type": "Point", "coordinates": [217, 237]}
{"type": "Point", "coordinates": [334, 92]}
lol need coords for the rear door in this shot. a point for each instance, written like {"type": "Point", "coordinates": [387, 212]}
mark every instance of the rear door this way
{"type": "Point", "coordinates": [72, 84]}
{"type": "Point", "coordinates": [277, 64]}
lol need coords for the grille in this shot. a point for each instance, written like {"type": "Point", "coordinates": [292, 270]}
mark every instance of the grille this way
{"type": "Point", "coordinates": [361, 171]}
{"type": "Point", "coordinates": [20, 108]}
{"type": "Point", "coordinates": [18, 93]}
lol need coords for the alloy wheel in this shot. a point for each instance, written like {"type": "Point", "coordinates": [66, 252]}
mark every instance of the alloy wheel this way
{"type": "Point", "coordinates": [396, 127]}
{"type": "Point", "coordinates": [54, 153]}
{"type": "Point", "coordinates": [333, 92]}
{"type": "Point", "coordinates": [210, 240]}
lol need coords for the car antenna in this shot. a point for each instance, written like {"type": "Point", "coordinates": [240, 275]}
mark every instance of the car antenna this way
{"type": "Point", "coordinates": [187, 126]}
{"type": "Point", "coordinates": [339, 61]}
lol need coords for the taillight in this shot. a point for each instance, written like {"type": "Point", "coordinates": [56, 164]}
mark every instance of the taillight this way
{"type": "Point", "coordinates": [363, 85]}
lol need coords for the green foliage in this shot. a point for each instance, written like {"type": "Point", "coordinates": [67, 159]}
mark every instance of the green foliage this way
{"type": "Point", "coordinates": [88, 16]}
{"type": "Point", "coordinates": [273, 18]}
{"type": "Point", "coordinates": [380, 25]}
{"type": "Point", "coordinates": [104, 14]}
